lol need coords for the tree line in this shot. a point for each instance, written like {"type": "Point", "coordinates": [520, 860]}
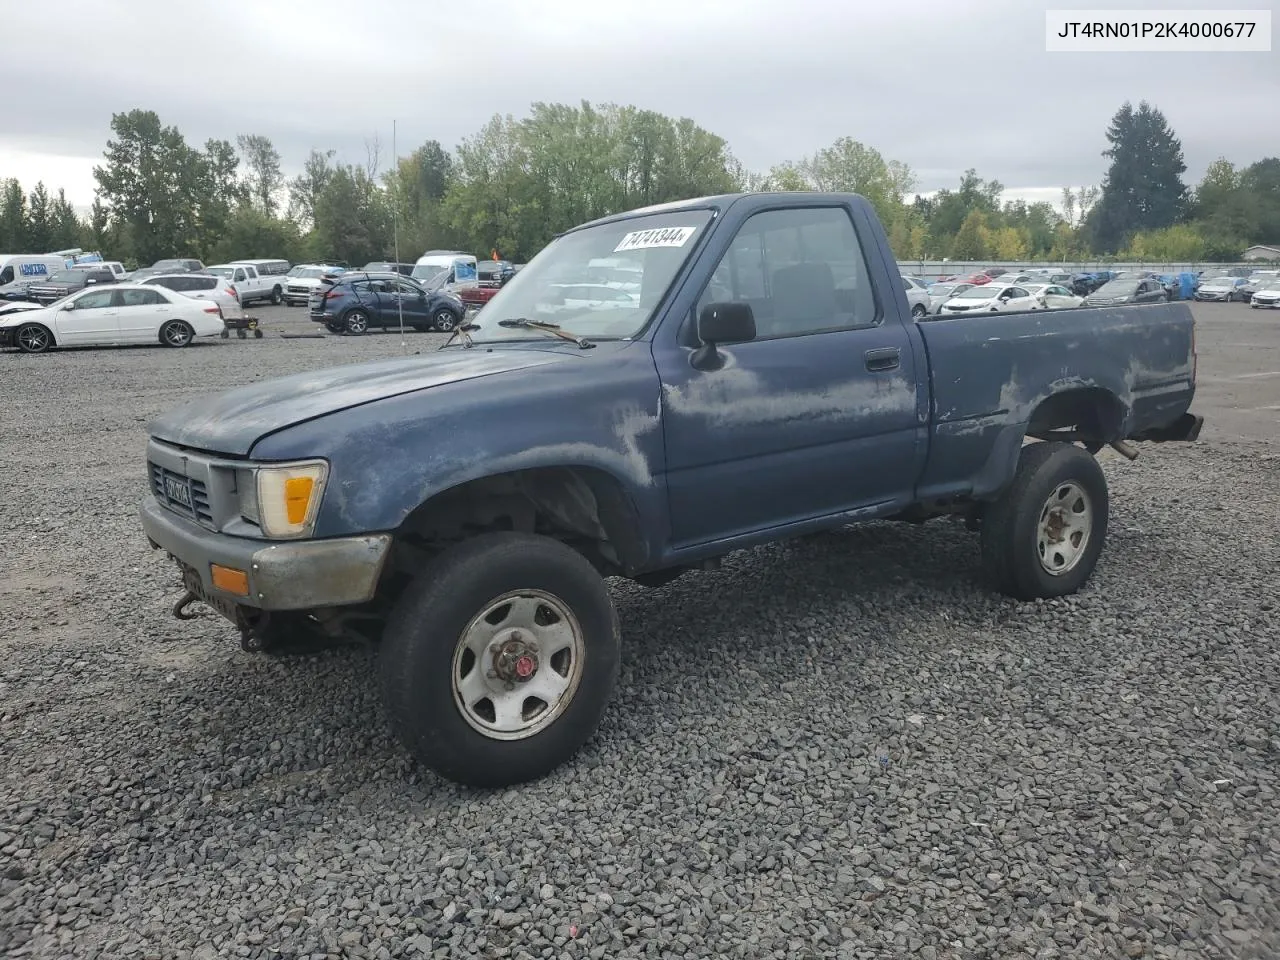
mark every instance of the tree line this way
{"type": "Point", "coordinates": [516, 183]}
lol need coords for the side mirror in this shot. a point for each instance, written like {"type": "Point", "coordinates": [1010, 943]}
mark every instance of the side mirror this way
{"type": "Point", "coordinates": [69, 306]}
{"type": "Point", "coordinates": [724, 322]}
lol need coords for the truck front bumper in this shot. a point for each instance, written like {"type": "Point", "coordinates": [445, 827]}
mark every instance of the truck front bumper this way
{"type": "Point", "coordinates": [279, 575]}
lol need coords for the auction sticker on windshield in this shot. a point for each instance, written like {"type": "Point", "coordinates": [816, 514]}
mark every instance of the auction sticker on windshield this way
{"type": "Point", "coordinates": [657, 237]}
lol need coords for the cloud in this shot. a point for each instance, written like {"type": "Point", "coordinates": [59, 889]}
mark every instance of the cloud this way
{"type": "Point", "coordinates": [939, 85]}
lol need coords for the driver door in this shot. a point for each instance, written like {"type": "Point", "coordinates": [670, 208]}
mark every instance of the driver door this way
{"type": "Point", "coordinates": [411, 299]}
{"type": "Point", "coordinates": [94, 318]}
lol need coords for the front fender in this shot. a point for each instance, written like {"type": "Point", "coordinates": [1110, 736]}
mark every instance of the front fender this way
{"type": "Point", "coordinates": [388, 457]}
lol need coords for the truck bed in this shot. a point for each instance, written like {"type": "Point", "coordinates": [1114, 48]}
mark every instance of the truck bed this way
{"type": "Point", "coordinates": [1129, 369]}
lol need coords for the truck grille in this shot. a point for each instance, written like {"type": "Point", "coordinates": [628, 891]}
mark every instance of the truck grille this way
{"type": "Point", "coordinates": [304, 290]}
{"type": "Point", "coordinates": [199, 510]}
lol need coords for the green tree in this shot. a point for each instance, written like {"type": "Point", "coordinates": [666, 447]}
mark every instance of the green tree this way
{"type": "Point", "coordinates": [13, 216]}
{"type": "Point", "coordinates": [214, 189]}
{"type": "Point", "coordinates": [417, 187]}
{"type": "Point", "coordinates": [148, 182]}
{"type": "Point", "coordinates": [352, 218]}
{"type": "Point", "coordinates": [972, 240]}
{"type": "Point", "coordinates": [948, 209]}
{"type": "Point", "coordinates": [252, 233]}
{"type": "Point", "coordinates": [66, 228]}
{"type": "Point", "coordinates": [847, 166]}
{"type": "Point", "coordinates": [1143, 189]}
{"type": "Point", "coordinates": [40, 220]}
{"type": "Point", "coordinates": [306, 187]}
{"type": "Point", "coordinates": [263, 176]}
{"type": "Point", "coordinates": [1261, 183]}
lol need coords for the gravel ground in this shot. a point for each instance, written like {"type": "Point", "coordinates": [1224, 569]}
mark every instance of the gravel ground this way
{"type": "Point", "coordinates": [841, 747]}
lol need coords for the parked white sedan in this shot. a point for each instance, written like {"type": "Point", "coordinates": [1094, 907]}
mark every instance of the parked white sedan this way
{"type": "Point", "coordinates": [1053, 296]}
{"type": "Point", "coordinates": [106, 316]}
{"type": "Point", "coordinates": [989, 296]}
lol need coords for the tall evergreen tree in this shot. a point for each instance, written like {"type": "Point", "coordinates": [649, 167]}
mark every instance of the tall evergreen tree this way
{"type": "Point", "coordinates": [1143, 189]}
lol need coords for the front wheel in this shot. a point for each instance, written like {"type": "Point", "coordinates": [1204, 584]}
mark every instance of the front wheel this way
{"type": "Point", "coordinates": [497, 664]}
{"type": "Point", "coordinates": [1043, 537]}
{"type": "Point", "coordinates": [33, 338]}
{"type": "Point", "coordinates": [444, 320]}
{"type": "Point", "coordinates": [276, 296]}
{"type": "Point", "coordinates": [177, 333]}
{"type": "Point", "coordinates": [918, 312]}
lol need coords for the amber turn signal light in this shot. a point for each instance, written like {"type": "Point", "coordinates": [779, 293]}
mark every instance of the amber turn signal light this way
{"type": "Point", "coordinates": [229, 580]}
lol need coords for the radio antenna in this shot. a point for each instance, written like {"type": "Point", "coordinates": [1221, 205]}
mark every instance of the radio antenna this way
{"type": "Point", "coordinates": [395, 234]}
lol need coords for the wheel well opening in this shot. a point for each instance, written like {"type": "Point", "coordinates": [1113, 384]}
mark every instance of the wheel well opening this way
{"type": "Point", "coordinates": [1088, 413]}
{"type": "Point", "coordinates": [582, 507]}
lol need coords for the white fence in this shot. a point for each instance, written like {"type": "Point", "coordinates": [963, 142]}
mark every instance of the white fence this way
{"type": "Point", "coordinates": [929, 269]}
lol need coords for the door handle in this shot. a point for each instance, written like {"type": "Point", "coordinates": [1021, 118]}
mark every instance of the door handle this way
{"type": "Point", "coordinates": [886, 358]}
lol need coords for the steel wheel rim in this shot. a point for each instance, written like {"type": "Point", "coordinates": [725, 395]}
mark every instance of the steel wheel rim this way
{"type": "Point", "coordinates": [33, 339]}
{"type": "Point", "coordinates": [176, 334]}
{"type": "Point", "coordinates": [357, 323]}
{"type": "Point", "coordinates": [1064, 528]}
{"type": "Point", "coordinates": [444, 320]}
{"type": "Point", "coordinates": [517, 665]}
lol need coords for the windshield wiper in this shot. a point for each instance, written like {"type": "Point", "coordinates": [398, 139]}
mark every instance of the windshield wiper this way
{"type": "Point", "coordinates": [464, 329]}
{"type": "Point", "coordinates": [551, 328]}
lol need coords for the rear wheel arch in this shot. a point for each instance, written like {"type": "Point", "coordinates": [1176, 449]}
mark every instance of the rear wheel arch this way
{"type": "Point", "coordinates": [1095, 413]}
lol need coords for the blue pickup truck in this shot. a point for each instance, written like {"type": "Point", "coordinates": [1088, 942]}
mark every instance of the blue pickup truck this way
{"type": "Point", "coordinates": [758, 377]}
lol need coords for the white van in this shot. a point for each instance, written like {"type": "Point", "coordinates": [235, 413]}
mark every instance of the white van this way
{"type": "Point", "coordinates": [17, 270]}
{"type": "Point", "coordinates": [449, 269]}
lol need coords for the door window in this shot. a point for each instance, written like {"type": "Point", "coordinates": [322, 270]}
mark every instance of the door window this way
{"type": "Point", "coordinates": [141, 298]}
{"type": "Point", "coordinates": [95, 300]}
{"type": "Point", "coordinates": [801, 270]}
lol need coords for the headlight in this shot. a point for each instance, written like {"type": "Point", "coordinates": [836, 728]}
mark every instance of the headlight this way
{"type": "Point", "coordinates": [283, 499]}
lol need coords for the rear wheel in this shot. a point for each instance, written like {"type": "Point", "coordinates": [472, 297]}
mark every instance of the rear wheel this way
{"type": "Point", "coordinates": [33, 338]}
{"type": "Point", "coordinates": [918, 312]}
{"type": "Point", "coordinates": [1043, 537]}
{"type": "Point", "coordinates": [497, 664]}
{"type": "Point", "coordinates": [177, 333]}
{"type": "Point", "coordinates": [356, 322]}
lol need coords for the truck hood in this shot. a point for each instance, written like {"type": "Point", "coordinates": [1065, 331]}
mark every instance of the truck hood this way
{"type": "Point", "coordinates": [232, 422]}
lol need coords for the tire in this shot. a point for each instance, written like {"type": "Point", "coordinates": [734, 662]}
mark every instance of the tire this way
{"type": "Point", "coordinates": [919, 312]}
{"type": "Point", "coordinates": [33, 338]}
{"type": "Point", "coordinates": [276, 296]}
{"type": "Point", "coordinates": [1052, 482]}
{"type": "Point", "coordinates": [444, 320]}
{"type": "Point", "coordinates": [257, 333]}
{"type": "Point", "coordinates": [356, 322]}
{"type": "Point", "coordinates": [425, 659]}
{"type": "Point", "coordinates": [177, 333]}
{"type": "Point", "coordinates": [333, 327]}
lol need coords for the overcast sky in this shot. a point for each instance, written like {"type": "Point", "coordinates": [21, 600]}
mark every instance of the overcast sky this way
{"type": "Point", "coordinates": [939, 84]}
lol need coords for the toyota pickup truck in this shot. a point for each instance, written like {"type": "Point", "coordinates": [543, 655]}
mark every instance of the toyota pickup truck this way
{"type": "Point", "coordinates": [463, 509]}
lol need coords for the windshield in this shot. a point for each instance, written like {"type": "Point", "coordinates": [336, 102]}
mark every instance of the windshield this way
{"type": "Point", "coordinates": [307, 273]}
{"type": "Point", "coordinates": [1222, 282]}
{"type": "Point", "coordinates": [1118, 288]}
{"type": "Point", "coordinates": [429, 276]}
{"type": "Point", "coordinates": [1272, 285]}
{"type": "Point", "coordinates": [942, 289]}
{"type": "Point", "coordinates": [67, 276]}
{"type": "Point", "coordinates": [560, 284]}
{"type": "Point", "coordinates": [986, 292]}
{"type": "Point", "coordinates": [168, 264]}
